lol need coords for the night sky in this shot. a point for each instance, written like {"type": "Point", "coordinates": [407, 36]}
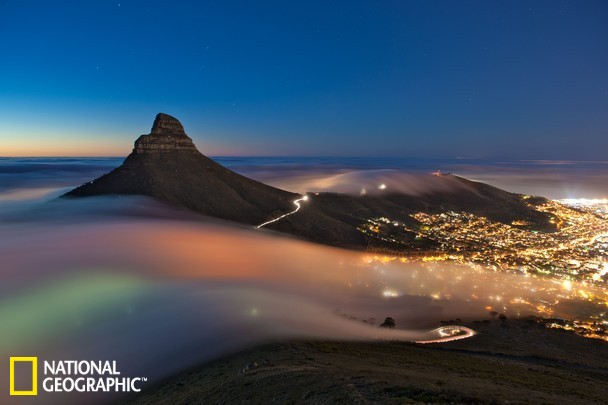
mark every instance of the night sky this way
{"type": "Point", "coordinates": [495, 79]}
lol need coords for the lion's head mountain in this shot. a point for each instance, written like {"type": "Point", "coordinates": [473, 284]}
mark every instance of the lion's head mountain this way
{"type": "Point", "coordinates": [166, 165]}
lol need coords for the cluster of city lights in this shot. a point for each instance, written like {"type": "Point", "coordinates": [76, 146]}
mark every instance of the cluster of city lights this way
{"type": "Point", "coordinates": [529, 271]}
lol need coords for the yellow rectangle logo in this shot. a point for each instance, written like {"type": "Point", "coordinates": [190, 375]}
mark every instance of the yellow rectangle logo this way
{"type": "Point", "coordinates": [34, 361]}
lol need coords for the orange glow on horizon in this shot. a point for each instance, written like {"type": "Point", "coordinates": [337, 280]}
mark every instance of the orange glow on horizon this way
{"type": "Point", "coordinates": [32, 147]}
{"type": "Point", "coordinates": [86, 149]}
{"type": "Point", "coordinates": [59, 154]}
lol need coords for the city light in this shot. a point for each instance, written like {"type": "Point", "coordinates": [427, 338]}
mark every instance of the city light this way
{"type": "Point", "coordinates": [547, 269]}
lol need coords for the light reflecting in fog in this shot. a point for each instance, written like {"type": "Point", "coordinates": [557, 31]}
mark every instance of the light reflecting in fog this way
{"type": "Point", "coordinates": [144, 291]}
{"type": "Point", "coordinates": [158, 290]}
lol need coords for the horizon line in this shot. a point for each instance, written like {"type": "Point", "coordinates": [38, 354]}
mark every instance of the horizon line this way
{"type": "Point", "coordinates": [495, 159]}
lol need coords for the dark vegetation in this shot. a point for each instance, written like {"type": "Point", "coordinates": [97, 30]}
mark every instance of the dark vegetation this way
{"type": "Point", "coordinates": [518, 361]}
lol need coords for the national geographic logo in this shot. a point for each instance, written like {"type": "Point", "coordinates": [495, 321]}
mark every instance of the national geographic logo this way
{"type": "Point", "coordinates": [19, 361]}
{"type": "Point", "coordinates": [69, 376]}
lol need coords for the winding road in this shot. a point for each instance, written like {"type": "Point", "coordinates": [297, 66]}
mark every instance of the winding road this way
{"type": "Point", "coordinates": [298, 206]}
{"type": "Point", "coordinates": [449, 334]}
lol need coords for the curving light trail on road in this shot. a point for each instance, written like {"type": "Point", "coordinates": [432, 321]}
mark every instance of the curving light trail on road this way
{"type": "Point", "coordinates": [448, 334]}
{"type": "Point", "coordinates": [296, 203]}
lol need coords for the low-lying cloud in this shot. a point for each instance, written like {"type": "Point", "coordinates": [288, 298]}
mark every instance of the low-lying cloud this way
{"type": "Point", "coordinates": [159, 289]}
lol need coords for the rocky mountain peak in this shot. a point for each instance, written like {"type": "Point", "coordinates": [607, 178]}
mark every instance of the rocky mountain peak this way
{"type": "Point", "coordinates": [167, 135]}
{"type": "Point", "coordinates": [164, 124]}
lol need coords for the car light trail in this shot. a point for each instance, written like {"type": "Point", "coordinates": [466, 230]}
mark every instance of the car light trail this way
{"type": "Point", "coordinates": [449, 334]}
{"type": "Point", "coordinates": [296, 203]}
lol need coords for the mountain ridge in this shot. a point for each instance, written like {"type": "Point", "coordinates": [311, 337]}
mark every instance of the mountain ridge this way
{"type": "Point", "coordinates": [165, 164]}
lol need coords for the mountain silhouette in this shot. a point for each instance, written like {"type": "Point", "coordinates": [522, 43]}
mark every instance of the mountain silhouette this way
{"type": "Point", "coordinates": [166, 165]}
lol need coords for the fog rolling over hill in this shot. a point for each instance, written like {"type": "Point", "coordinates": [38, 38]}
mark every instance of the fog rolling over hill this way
{"type": "Point", "coordinates": [166, 164]}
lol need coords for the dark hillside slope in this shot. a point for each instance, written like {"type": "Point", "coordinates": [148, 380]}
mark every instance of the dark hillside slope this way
{"type": "Point", "coordinates": [166, 165]}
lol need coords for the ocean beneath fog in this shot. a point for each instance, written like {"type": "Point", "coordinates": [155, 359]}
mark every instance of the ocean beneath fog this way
{"type": "Point", "coordinates": [159, 290]}
{"type": "Point", "coordinates": [555, 179]}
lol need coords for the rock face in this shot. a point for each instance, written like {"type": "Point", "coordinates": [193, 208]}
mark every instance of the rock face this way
{"type": "Point", "coordinates": [167, 135]}
{"type": "Point", "coordinates": [164, 124]}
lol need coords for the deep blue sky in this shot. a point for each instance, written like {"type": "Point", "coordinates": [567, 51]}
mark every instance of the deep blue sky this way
{"type": "Point", "coordinates": [519, 80]}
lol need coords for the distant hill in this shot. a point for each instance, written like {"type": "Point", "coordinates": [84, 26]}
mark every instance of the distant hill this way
{"type": "Point", "coordinates": [166, 164]}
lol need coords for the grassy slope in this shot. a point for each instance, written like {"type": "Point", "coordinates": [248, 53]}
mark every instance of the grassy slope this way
{"type": "Point", "coordinates": [515, 363]}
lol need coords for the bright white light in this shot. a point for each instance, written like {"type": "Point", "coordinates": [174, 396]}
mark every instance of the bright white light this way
{"type": "Point", "coordinates": [583, 201]}
{"type": "Point", "coordinates": [449, 333]}
{"type": "Point", "coordinates": [390, 293]}
{"type": "Point", "coordinates": [382, 186]}
{"type": "Point", "coordinates": [296, 203]}
{"type": "Point", "coordinates": [601, 273]}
